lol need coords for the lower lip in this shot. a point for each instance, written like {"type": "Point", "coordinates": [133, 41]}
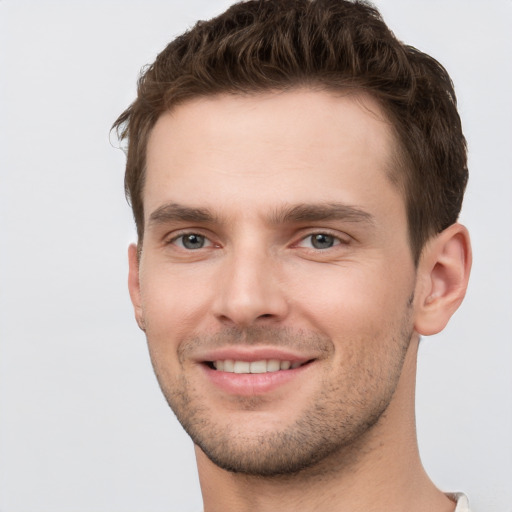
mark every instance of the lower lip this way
{"type": "Point", "coordinates": [250, 384]}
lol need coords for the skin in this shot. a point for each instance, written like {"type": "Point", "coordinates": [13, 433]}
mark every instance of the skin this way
{"type": "Point", "coordinates": [255, 178]}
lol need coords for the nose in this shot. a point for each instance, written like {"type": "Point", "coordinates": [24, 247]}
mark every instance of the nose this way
{"type": "Point", "coordinates": [250, 291]}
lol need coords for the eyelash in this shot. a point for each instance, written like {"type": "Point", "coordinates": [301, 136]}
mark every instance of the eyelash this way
{"type": "Point", "coordinates": [182, 237]}
{"type": "Point", "coordinates": [336, 240]}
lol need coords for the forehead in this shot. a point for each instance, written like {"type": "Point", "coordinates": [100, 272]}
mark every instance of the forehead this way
{"type": "Point", "coordinates": [255, 150]}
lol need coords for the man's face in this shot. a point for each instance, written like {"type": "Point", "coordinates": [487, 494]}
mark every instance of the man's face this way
{"type": "Point", "coordinates": [274, 242]}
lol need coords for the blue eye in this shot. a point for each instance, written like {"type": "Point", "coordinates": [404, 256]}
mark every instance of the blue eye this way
{"type": "Point", "coordinates": [322, 241]}
{"type": "Point", "coordinates": [192, 241]}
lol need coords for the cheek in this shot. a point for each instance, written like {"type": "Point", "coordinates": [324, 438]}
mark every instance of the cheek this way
{"type": "Point", "coordinates": [354, 297]}
{"type": "Point", "coordinates": [175, 304]}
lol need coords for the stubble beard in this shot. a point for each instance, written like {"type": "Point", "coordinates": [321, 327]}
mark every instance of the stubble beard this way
{"type": "Point", "coordinates": [329, 434]}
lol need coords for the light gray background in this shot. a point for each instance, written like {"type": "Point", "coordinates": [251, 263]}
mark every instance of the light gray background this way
{"type": "Point", "coordinates": [83, 424]}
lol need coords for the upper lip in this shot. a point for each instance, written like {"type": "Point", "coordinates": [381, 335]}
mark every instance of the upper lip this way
{"type": "Point", "coordinates": [251, 354]}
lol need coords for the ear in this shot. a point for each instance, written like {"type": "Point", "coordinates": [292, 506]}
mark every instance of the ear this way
{"type": "Point", "coordinates": [443, 274]}
{"type": "Point", "coordinates": [134, 284]}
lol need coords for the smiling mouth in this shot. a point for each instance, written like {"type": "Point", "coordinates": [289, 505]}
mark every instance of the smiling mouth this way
{"type": "Point", "coordinates": [262, 366]}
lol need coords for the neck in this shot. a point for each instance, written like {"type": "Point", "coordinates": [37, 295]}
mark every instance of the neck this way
{"type": "Point", "coordinates": [380, 471]}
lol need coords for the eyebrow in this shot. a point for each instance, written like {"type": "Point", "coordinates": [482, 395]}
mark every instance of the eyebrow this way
{"type": "Point", "coordinates": [174, 212]}
{"type": "Point", "coordinates": [320, 212]}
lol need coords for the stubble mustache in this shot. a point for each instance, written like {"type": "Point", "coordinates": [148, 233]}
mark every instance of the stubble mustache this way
{"type": "Point", "coordinates": [283, 337]}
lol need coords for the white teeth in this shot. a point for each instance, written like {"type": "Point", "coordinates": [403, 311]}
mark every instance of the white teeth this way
{"type": "Point", "coordinates": [274, 365]}
{"type": "Point", "coordinates": [242, 367]}
{"type": "Point", "coordinates": [263, 366]}
{"type": "Point", "coordinates": [258, 367]}
{"type": "Point", "coordinates": [285, 365]}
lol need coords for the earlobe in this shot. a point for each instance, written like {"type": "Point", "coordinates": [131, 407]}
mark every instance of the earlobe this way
{"type": "Point", "coordinates": [443, 274]}
{"type": "Point", "coordinates": [134, 284]}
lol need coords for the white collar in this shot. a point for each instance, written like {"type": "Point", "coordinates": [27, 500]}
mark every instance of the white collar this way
{"type": "Point", "coordinates": [461, 500]}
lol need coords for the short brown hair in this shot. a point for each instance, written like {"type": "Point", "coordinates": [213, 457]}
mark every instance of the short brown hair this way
{"type": "Point", "coordinates": [264, 45]}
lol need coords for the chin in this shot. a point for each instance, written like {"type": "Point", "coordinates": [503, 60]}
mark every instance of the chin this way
{"type": "Point", "coordinates": [309, 445]}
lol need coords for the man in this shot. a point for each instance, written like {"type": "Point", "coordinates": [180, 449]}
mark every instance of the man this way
{"type": "Point", "coordinates": [296, 175]}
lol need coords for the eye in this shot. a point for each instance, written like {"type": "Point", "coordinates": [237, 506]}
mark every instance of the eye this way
{"type": "Point", "coordinates": [191, 241]}
{"type": "Point", "coordinates": [319, 241]}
